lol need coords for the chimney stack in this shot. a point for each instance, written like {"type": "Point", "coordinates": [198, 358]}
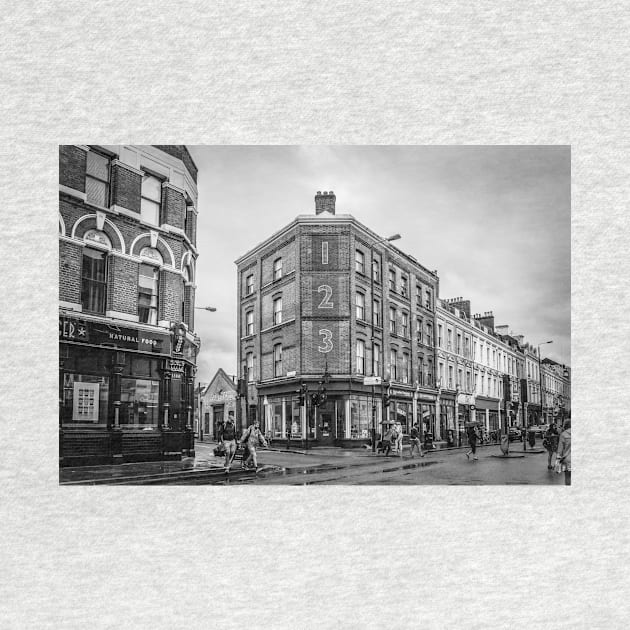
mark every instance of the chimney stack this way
{"type": "Point", "coordinates": [325, 202]}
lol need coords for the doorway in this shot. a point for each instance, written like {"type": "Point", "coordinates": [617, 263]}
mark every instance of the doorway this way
{"type": "Point", "coordinates": [326, 423]}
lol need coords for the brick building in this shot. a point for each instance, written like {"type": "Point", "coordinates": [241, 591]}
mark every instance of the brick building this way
{"type": "Point", "coordinates": [218, 399]}
{"type": "Point", "coordinates": [127, 347]}
{"type": "Point", "coordinates": [324, 303]}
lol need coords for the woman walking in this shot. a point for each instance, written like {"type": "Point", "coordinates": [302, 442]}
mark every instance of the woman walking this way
{"type": "Point", "coordinates": [253, 437]}
{"type": "Point", "coordinates": [564, 452]}
{"type": "Point", "coordinates": [471, 432]}
{"type": "Point", "coordinates": [550, 442]}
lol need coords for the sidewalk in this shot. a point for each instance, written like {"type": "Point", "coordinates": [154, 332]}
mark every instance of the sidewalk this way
{"type": "Point", "coordinates": [206, 466]}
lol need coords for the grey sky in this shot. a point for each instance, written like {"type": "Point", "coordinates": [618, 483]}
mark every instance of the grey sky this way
{"type": "Point", "coordinates": [494, 221]}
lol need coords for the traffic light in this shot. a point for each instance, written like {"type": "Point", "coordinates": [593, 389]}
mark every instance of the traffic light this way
{"type": "Point", "coordinates": [322, 396]}
{"type": "Point", "coordinates": [315, 399]}
{"type": "Point", "coordinates": [300, 398]}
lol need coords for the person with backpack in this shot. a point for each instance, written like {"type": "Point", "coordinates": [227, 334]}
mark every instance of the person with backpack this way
{"type": "Point", "coordinates": [253, 437]}
{"type": "Point", "coordinates": [414, 440]}
{"type": "Point", "coordinates": [227, 437]}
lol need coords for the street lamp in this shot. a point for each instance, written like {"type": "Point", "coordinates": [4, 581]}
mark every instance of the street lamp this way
{"type": "Point", "coordinates": [393, 237]}
{"type": "Point", "coordinates": [542, 412]}
{"type": "Point", "coordinates": [205, 308]}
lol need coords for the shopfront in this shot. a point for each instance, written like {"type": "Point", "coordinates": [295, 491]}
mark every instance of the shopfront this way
{"type": "Point", "coordinates": [447, 416]}
{"type": "Point", "coordinates": [120, 390]}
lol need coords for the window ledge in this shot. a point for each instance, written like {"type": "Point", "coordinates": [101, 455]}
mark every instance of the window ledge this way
{"type": "Point", "coordinates": [280, 325]}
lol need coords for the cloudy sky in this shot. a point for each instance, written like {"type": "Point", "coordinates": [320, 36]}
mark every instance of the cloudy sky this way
{"type": "Point", "coordinates": [494, 221]}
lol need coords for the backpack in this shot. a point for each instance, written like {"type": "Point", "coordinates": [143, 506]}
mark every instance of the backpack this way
{"type": "Point", "coordinates": [394, 434]}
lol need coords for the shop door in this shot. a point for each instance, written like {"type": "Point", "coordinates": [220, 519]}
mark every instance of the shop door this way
{"type": "Point", "coordinates": [326, 423]}
{"type": "Point", "coordinates": [218, 419]}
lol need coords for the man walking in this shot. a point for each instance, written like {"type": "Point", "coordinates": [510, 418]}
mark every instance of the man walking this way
{"type": "Point", "coordinates": [253, 437]}
{"type": "Point", "coordinates": [227, 437]}
{"type": "Point", "coordinates": [414, 440]}
{"type": "Point", "coordinates": [471, 432]}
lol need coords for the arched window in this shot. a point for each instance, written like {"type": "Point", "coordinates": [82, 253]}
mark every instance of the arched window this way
{"type": "Point", "coordinates": [152, 254]}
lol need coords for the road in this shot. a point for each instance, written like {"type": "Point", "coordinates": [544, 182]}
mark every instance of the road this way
{"type": "Point", "coordinates": [437, 468]}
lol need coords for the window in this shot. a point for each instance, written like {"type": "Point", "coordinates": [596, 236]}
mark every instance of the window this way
{"type": "Point", "coordinates": [404, 286]}
{"type": "Point", "coordinates": [360, 303]}
{"type": "Point", "coordinates": [405, 325]}
{"type": "Point", "coordinates": [421, 369]}
{"type": "Point", "coordinates": [460, 381]}
{"type": "Point", "coordinates": [450, 377]}
{"type": "Point", "coordinates": [392, 321]}
{"type": "Point", "coordinates": [277, 311]}
{"type": "Point", "coordinates": [151, 199]}
{"type": "Point", "coordinates": [93, 281]}
{"type": "Point", "coordinates": [359, 261]}
{"type": "Point", "coordinates": [360, 356]}
{"type": "Point", "coordinates": [148, 282]}
{"type": "Point", "coordinates": [418, 295]}
{"type": "Point", "coordinates": [449, 339]}
{"type": "Point", "coordinates": [249, 284]}
{"type": "Point", "coordinates": [376, 313]}
{"type": "Point", "coordinates": [376, 274]}
{"type": "Point", "coordinates": [392, 280]}
{"type": "Point", "coordinates": [249, 361]}
{"type": "Point", "coordinates": [97, 179]}
{"type": "Point", "coordinates": [376, 361]}
{"type": "Point", "coordinates": [405, 368]}
{"type": "Point", "coordinates": [249, 323]}
{"type": "Point", "coordinates": [393, 360]}
{"type": "Point", "coordinates": [419, 330]}
{"type": "Point", "coordinates": [427, 299]}
{"type": "Point", "coordinates": [429, 337]}
{"type": "Point", "coordinates": [429, 371]}
{"type": "Point", "coordinates": [277, 269]}
{"type": "Point", "coordinates": [459, 343]}
{"type": "Point", "coordinates": [139, 399]}
{"type": "Point", "coordinates": [277, 360]}
{"type": "Point", "coordinates": [440, 336]}
{"type": "Point", "coordinates": [441, 365]}
{"type": "Point", "coordinates": [468, 383]}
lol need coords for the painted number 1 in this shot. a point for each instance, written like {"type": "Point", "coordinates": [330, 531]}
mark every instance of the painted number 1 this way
{"type": "Point", "coordinates": [325, 303]}
{"type": "Point", "coordinates": [327, 340]}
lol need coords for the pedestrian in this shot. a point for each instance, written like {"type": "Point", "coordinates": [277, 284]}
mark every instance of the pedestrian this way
{"type": "Point", "coordinates": [387, 441]}
{"type": "Point", "coordinates": [414, 440]}
{"type": "Point", "coordinates": [471, 432]}
{"type": "Point", "coordinates": [227, 437]}
{"type": "Point", "coordinates": [253, 437]}
{"type": "Point", "coordinates": [397, 438]}
{"type": "Point", "coordinates": [550, 442]}
{"type": "Point", "coordinates": [563, 458]}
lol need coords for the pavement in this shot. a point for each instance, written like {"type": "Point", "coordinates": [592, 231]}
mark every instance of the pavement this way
{"type": "Point", "coordinates": [205, 467]}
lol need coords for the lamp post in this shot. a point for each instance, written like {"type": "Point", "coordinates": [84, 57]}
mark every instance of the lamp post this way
{"type": "Point", "coordinates": [393, 237]}
{"type": "Point", "coordinates": [212, 309]}
{"type": "Point", "coordinates": [542, 412]}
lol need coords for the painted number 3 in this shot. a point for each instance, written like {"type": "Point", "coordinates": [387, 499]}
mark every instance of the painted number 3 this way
{"type": "Point", "coordinates": [325, 303]}
{"type": "Point", "coordinates": [327, 340]}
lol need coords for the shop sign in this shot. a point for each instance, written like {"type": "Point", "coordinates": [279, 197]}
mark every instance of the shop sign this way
{"type": "Point", "coordinates": [400, 393]}
{"type": "Point", "coordinates": [176, 368]}
{"type": "Point", "coordinates": [113, 336]}
{"type": "Point", "coordinates": [465, 399]}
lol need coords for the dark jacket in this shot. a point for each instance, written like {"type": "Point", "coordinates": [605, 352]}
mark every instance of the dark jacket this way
{"type": "Point", "coordinates": [227, 431]}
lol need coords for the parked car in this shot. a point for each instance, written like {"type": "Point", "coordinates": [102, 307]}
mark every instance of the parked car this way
{"type": "Point", "coordinates": [514, 434]}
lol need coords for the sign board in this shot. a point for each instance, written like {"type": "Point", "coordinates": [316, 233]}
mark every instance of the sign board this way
{"type": "Point", "coordinates": [372, 380]}
{"type": "Point", "coordinates": [291, 373]}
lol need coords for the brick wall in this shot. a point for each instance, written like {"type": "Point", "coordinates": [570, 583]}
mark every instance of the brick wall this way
{"type": "Point", "coordinates": [126, 188]}
{"type": "Point", "coordinates": [289, 352]}
{"type": "Point", "coordinates": [288, 294]}
{"type": "Point", "coordinates": [189, 302]}
{"type": "Point", "coordinates": [180, 152]}
{"type": "Point", "coordinates": [70, 261]}
{"type": "Point", "coordinates": [173, 207]}
{"type": "Point", "coordinates": [122, 285]}
{"type": "Point", "coordinates": [72, 161]}
{"type": "Point", "coordinates": [287, 252]}
{"type": "Point", "coordinates": [171, 295]}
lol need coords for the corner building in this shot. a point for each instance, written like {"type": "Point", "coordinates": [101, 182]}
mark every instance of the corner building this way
{"type": "Point", "coordinates": [127, 347]}
{"type": "Point", "coordinates": [324, 303]}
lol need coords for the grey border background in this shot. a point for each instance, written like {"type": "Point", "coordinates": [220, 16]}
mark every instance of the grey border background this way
{"type": "Point", "coordinates": [313, 73]}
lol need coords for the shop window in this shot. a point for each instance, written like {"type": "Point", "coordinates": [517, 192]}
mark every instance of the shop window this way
{"type": "Point", "coordinates": [360, 418]}
{"type": "Point", "coordinates": [94, 281]}
{"type": "Point", "coordinates": [85, 399]}
{"type": "Point", "coordinates": [151, 200]}
{"type": "Point", "coordinates": [97, 170]}
{"type": "Point", "coordinates": [277, 269]}
{"type": "Point", "coordinates": [276, 420]}
{"type": "Point", "coordinates": [139, 402]}
{"type": "Point", "coordinates": [148, 283]}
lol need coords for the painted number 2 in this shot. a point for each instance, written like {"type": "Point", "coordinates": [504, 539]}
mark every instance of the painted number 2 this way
{"type": "Point", "coordinates": [325, 303]}
{"type": "Point", "coordinates": [327, 340]}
